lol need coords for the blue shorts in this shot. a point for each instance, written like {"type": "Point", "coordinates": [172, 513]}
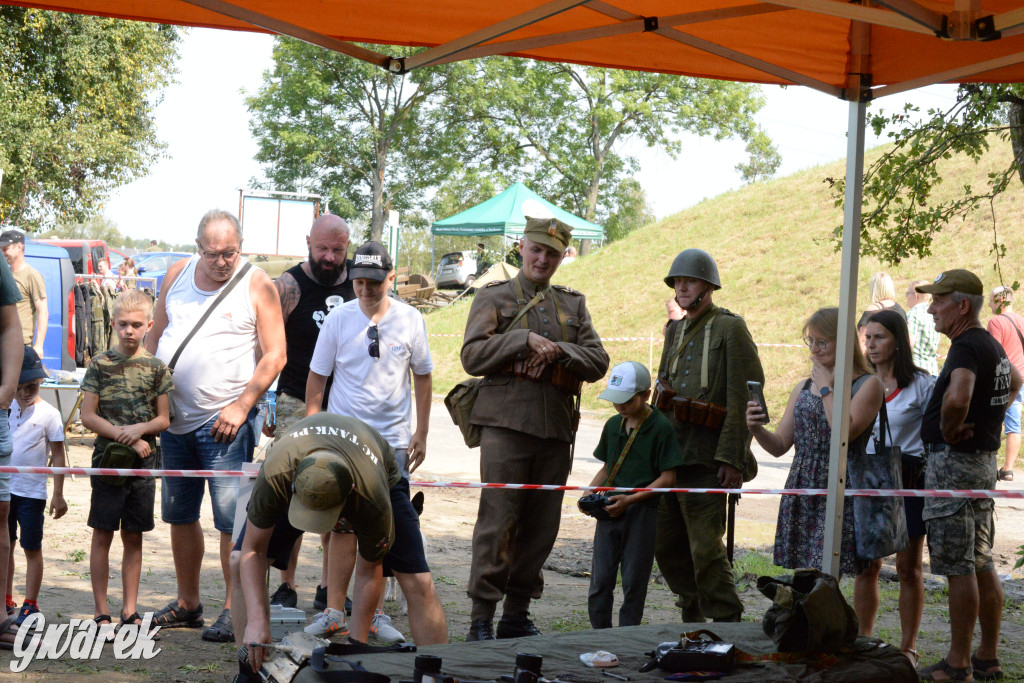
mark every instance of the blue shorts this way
{"type": "Point", "coordinates": [1011, 423]}
{"type": "Point", "coordinates": [181, 498]}
{"type": "Point", "coordinates": [406, 556]}
{"type": "Point", "coordinates": [29, 513]}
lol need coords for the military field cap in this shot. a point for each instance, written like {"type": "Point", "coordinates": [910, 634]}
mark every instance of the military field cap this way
{"type": "Point", "coordinates": [372, 262]}
{"type": "Point", "coordinates": [9, 237]}
{"type": "Point", "coordinates": [956, 280]}
{"type": "Point", "coordinates": [320, 488]}
{"type": "Point", "coordinates": [626, 381]}
{"type": "Point", "coordinates": [550, 232]}
{"type": "Point", "coordinates": [31, 367]}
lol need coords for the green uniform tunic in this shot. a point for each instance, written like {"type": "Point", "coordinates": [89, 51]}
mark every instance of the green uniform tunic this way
{"type": "Point", "coordinates": [690, 550]}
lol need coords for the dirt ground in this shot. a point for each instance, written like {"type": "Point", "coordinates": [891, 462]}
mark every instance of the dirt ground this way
{"type": "Point", "coordinates": [447, 523]}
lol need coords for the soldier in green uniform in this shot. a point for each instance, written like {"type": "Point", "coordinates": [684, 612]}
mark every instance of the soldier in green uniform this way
{"type": "Point", "coordinates": [533, 343]}
{"type": "Point", "coordinates": [708, 357]}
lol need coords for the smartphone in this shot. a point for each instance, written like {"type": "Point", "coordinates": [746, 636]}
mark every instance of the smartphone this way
{"type": "Point", "coordinates": [757, 396]}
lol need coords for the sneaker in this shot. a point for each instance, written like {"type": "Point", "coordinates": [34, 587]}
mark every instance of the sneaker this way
{"type": "Point", "coordinates": [320, 599]}
{"type": "Point", "coordinates": [330, 622]}
{"type": "Point", "coordinates": [24, 613]}
{"type": "Point", "coordinates": [284, 596]}
{"type": "Point", "coordinates": [382, 629]}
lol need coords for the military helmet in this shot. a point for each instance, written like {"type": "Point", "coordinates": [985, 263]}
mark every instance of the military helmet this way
{"type": "Point", "coordinates": [694, 263]}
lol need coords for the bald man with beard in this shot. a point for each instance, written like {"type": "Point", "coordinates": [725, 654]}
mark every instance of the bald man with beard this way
{"type": "Point", "coordinates": [308, 292]}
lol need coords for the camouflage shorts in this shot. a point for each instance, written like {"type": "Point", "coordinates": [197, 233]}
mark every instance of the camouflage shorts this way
{"type": "Point", "coordinates": [289, 410]}
{"type": "Point", "coordinates": [960, 530]}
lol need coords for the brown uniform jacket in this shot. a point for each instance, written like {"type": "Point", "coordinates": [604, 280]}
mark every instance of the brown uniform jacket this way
{"type": "Point", "coordinates": [536, 408]}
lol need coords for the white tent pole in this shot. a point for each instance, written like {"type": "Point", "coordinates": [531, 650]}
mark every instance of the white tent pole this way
{"type": "Point", "coordinates": [845, 340]}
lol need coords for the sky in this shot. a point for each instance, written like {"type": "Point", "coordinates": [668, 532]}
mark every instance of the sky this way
{"type": "Point", "coordinates": [209, 157]}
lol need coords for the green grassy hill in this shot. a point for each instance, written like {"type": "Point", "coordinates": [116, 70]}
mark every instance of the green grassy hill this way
{"type": "Point", "coordinates": [777, 267]}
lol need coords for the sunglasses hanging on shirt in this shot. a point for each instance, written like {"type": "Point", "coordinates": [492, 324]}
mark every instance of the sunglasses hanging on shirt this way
{"type": "Point", "coordinates": [374, 348]}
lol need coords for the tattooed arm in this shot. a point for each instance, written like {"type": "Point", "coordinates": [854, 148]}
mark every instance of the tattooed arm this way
{"type": "Point", "coordinates": [288, 290]}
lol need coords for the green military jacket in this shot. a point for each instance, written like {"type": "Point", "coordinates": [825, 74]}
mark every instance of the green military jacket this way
{"type": "Point", "coordinates": [490, 347]}
{"type": "Point", "coordinates": [732, 362]}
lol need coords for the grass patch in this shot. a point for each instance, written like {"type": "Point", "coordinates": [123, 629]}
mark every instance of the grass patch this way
{"type": "Point", "coordinates": [446, 580]}
{"type": "Point", "coordinates": [212, 667]}
{"type": "Point", "coordinates": [575, 620]}
{"type": "Point", "coordinates": [76, 555]}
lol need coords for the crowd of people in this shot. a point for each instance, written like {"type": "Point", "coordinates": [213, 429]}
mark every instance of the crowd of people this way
{"type": "Point", "coordinates": [352, 365]}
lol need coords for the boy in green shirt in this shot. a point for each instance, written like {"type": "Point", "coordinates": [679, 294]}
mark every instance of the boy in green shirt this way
{"type": "Point", "coordinates": [639, 450]}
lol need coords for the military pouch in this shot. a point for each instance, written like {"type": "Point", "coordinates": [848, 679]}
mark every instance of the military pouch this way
{"type": "Point", "coordinates": [716, 417]}
{"type": "Point", "coordinates": [699, 412]}
{"type": "Point", "coordinates": [681, 408]}
{"type": "Point", "coordinates": [459, 402]}
{"type": "Point", "coordinates": [663, 395]}
{"type": "Point", "coordinates": [116, 456]}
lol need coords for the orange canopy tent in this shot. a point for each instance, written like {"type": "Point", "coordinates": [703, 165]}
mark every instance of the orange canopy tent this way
{"type": "Point", "coordinates": [853, 50]}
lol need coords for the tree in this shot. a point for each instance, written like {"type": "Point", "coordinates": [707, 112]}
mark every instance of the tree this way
{"type": "Point", "coordinates": [561, 126]}
{"type": "Point", "coordinates": [901, 214]}
{"type": "Point", "coordinates": [368, 139]}
{"type": "Point", "coordinates": [76, 110]}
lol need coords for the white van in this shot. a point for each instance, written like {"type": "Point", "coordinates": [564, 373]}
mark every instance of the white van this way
{"type": "Point", "coordinates": [456, 270]}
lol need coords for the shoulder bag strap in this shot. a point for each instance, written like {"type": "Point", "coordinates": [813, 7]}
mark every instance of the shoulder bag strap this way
{"type": "Point", "coordinates": [1016, 329]}
{"type": "Point", "coordinates": [625, 449]}
{"type": "Point", "coordinates": [539, 296]}
{"type": "Point", "coordinates": [690, 334]}
{"type": "Point", "coordinates": [220, 297]}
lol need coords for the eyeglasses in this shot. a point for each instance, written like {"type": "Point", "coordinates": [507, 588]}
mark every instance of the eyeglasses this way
{"type": "Point", "coordinates": [374, 348]}
{"type": "Point", "coordinates": [819, 344]}
{"type": "Point", "coordinates": [214, 256]}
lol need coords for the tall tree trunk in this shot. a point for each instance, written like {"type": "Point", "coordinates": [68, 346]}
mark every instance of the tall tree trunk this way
{"type": "Point", "coordinates": [1016, 116]}
{"type": "Point", "coordinates": [587, 246]}
{"type": "Point", "coordinates": [377, 216]}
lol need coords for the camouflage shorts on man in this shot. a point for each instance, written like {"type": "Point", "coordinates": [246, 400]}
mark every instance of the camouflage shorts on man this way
{"type": "Point", "coordinates": [960, 530]}
{"type": "Point", "coordinates": [289, 410]}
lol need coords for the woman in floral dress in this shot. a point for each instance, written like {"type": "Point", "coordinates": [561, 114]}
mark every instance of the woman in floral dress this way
{"type": "Point", "coordinates": [807, 424]}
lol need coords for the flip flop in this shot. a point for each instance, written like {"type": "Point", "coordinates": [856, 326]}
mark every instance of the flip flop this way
{"type": "Point", "coordinates": [175, 616]}
{"type": "Point", "coordinates": [951, 674]}
{"type": "Point", "coordinates": [983, 668]}
{"type": "Point", "coordinates": [135, 620]}
{"type": "Point", "coordinates": [220, 631]}
{"type": "Point", "coordinates": [8, 627]}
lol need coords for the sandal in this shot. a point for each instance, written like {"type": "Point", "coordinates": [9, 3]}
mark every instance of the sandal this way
{"type": "Point", "coordinates": [104, 626]}
{"type": "Point", "coordinates": [136, 620]}
{"type": "Point", "coordinates": [950, 673]}
{"type": "Point", "coordinates": [220, 631]}
{"type": "Point", "coordinates": [912, 656]}
{"type": "Point", "coordinates": [1005, 475]}
{"type": "Point", "coordinates": [983, 668]}
{"type": "Point", "coordinates": [175, 616]}
{"type": "Point", "coordinates": [8, 628]}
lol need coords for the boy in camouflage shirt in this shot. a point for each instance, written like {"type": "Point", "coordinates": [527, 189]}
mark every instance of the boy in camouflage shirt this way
{"type": "Point", "coordinates": [124, 400]}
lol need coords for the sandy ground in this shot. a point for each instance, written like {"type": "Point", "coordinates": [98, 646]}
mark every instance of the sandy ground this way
{"type": "Point", "coordinates": [447, 523]}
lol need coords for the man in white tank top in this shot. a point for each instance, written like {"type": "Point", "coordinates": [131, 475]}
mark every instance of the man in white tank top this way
{"type": "Point", "coordinates": [217, 385]}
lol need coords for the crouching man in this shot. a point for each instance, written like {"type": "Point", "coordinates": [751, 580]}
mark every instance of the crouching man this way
{"type": "Point", "coordinates": [330, 472]}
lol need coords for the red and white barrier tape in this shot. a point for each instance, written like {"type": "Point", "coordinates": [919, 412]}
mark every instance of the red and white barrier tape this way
{"type": "Point", "coordinates": [641, 339]}
{"type": "Point", "coordinates": [863, 493]}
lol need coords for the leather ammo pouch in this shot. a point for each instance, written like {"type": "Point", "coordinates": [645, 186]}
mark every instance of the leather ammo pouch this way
{"type": "Point", "coordinates": [663, 394]}
{"type": "Point", "coordinates": [700, 413]}
{"type": "Point", "coordinates": [555, 374]}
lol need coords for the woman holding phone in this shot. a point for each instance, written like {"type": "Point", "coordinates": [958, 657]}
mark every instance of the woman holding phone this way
{"type": "Point", "coordinates": [907, 391]}
{"type": "Point", "coordinates": [807, 424]}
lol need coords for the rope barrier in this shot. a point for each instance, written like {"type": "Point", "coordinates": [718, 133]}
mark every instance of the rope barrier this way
{"type": "Point", "coordinates": [858, 493]}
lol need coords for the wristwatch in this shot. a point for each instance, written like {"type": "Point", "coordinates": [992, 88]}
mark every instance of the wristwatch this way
{"type": "Point", "coordinates": [825, 391]}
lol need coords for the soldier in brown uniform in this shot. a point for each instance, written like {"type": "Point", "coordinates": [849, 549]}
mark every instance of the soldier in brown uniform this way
{"type": "Point", "coordinates": [527, 415]}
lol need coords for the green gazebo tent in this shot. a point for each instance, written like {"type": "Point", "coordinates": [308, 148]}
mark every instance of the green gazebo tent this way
{"type": "Point", "coordinates": [505, 214]}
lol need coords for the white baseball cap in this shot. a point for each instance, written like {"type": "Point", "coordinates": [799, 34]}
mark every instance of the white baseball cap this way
{"type": "Point", "coordinates": [626, 381]}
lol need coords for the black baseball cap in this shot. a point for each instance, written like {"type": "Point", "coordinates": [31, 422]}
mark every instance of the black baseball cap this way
{"type": "Point", "coordinates": [372, 262]}
{"type": "Point", "coordinates": [9, 237]}
{"type": "Point", "coordinates": [31, 367]}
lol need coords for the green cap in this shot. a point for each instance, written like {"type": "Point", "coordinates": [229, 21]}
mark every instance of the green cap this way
{"type": "Point", "coordinates": [956, 280]}
{"type": "Point", "coordinates": [320, 488]}
{"type": "Point", "coordinates": [550, 232]}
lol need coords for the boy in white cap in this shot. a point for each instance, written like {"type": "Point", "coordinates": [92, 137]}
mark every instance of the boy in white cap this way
{"type": "Point", "coordinates": [639, 450]}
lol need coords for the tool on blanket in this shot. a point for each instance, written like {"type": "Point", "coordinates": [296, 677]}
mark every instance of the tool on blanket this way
{"type": "Point", "coordinates": [605, 672]}
{"type": "Point", "coordinates": [696, 651]}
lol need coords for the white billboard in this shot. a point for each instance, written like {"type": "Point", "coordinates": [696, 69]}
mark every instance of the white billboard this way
{"type": "Point", "coordinates": [277, 225]}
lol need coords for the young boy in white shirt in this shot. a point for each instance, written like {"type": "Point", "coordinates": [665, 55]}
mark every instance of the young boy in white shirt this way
{"type": "Point", "coordinates": [37, 432]}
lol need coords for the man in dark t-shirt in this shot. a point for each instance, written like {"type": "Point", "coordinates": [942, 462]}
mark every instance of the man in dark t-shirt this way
{"type": "Point", "coordinates": [961, 430]}
{"type": "Point", "coordinates": [308, 291]}
{"type": "Point", "coordinates": [329, 474]}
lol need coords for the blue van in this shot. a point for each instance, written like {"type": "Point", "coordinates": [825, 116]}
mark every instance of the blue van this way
{"type": "Point", "coordinates": [54, 264]}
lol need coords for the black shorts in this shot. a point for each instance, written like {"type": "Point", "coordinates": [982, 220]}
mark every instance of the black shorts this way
{"type": "Point", "coordinates": [128, 507]}
{"type": "Point", "coordinates": [406, 555]}
{"type": "Point", "coordinates": [29, 513]}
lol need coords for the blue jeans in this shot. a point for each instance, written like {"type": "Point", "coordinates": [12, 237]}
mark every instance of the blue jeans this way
{"type": "Point", "coordinates": [181, 498]}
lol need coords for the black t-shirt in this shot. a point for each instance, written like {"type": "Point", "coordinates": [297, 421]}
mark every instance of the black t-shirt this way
{"type": "Point", "coordinates": [975, 350]}
{"type": "Point", "coordinates": [303, 327]}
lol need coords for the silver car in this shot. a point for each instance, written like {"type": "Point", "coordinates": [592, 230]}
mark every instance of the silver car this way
{"type": "Point", "coordinates": [456, 270]}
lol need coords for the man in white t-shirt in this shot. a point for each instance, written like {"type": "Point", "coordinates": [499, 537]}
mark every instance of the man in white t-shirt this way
{"type": "Point", "coordinates": [372, 344]}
